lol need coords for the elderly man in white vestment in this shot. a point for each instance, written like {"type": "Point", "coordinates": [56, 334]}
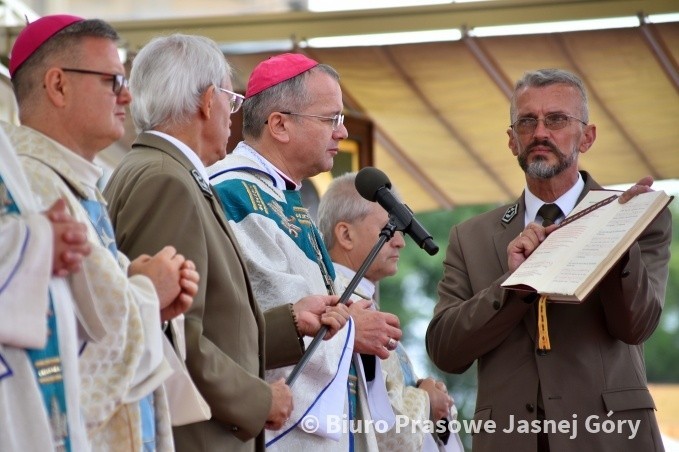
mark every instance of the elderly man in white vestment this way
{"type": "Point", "coordinates": [71, 90]}
{"type": "Point", "coordinates": [351, 226]}
{"type": "Point", "coordinates": [39, 383]}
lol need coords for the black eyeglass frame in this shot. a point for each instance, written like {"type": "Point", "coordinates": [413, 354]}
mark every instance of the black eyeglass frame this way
{"type": "Point", "coordinates": [119, 80]}
{"type": "Point", "coordinates": [552, 121]}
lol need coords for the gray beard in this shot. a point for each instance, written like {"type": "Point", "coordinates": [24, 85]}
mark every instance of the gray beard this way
{"type": "Point", "coordinates": [541, 169]}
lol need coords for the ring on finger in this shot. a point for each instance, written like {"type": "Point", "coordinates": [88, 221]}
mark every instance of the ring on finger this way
{"type": "Point", "coordinates": [391, 345]}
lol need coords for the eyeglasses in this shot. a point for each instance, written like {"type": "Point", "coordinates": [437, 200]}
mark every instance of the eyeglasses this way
{"type": "Point", "coordinates": [553, 121]}
{"type": "Point", "coordinates": [119, 80]}
{"type": "Point", "coordinates": [235, 101]}
{"type": "Point", "coordinates": [337, 120]}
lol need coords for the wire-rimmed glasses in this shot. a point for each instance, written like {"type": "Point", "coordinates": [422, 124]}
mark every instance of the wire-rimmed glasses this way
{"type": "Point", "coordinates": [553, 121]}
{"type": "Point", "coordinates": [337, 120]}
{"type": "Point", "coordinates": [235, 101]}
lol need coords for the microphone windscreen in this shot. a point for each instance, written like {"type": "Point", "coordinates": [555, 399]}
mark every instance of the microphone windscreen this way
{"type": "Point", "coordinates": [369, 180]}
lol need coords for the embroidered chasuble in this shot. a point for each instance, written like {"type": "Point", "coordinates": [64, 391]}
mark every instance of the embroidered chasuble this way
{"type": "Point", "coordinates": [96, 211]}
{"type": "Point", "coordinates": [98, 216]}
{"type": "Point", "coordinates": [286, 261]}
{"type": "Point", "coordinates": [46, 361]}
{"type": "Point", "coordinates": [38, 344]}
{"type": "Point", "coordinates": [399, 393]}
{"type": "Point", "coordinates": [121, 361]}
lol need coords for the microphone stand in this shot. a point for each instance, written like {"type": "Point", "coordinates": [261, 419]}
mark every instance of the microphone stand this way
{"type": "Point", "coordinates": [393, 225]}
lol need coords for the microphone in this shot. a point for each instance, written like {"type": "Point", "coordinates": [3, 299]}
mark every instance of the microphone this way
{"type": "Point", "coordinates": [374, 185]}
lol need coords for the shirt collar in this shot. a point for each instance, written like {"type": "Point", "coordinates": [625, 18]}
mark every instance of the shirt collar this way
{"type": "Point", "coordinates": [566, 202]}
{"type": "Point", "coordinates": [281, 180]}
{"type": "Point", "coordinates": [187, 151]}
{"type": "Point", "coordinates": [364, 289]}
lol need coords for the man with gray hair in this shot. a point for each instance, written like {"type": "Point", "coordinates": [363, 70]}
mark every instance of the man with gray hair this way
{"type": "Point", "coordinates": [351, 226]}
{"type": "Point", "coordinates": [595, 369]}
{"type": "Point", "coordinates": [159, 194]}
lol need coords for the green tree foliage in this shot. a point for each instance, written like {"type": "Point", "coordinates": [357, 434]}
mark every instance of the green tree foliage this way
{"type": "Point", "coordinates": [412, 294]}
{"type": "Point", "coordinates": [662, 349]}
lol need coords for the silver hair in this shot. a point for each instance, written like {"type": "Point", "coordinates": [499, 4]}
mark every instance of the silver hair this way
{"type": "Point", "coordinates": [168, 77]}
{"type": "Point", "coordinates": [547, 77]}
{"type": "Point", "coordinates": [340, 203]}
{"type": "Point", "coordinates": [290, 95]}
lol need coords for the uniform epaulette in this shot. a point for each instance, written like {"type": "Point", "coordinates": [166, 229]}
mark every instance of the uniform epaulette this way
{"type": "Point", "coordinates": [202, 183]}
{"type": "Point", "coordinates": [510, 213]}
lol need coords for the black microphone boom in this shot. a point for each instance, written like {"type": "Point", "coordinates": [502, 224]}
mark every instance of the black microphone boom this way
{"type": "Point", "coordinates": [374, 185]}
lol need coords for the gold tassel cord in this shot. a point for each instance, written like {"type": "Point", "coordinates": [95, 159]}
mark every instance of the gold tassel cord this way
{"type": "Point", "coordinates": [543, 331]}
